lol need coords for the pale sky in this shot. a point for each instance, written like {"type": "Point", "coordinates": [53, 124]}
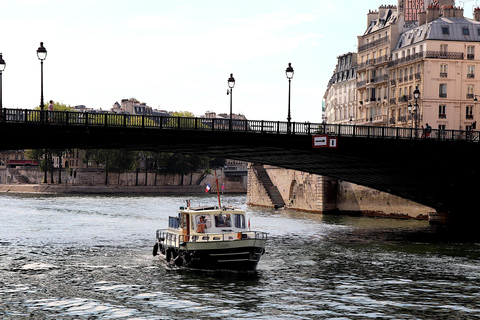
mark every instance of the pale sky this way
{"type": "Point", "coordinates": [178, 55]}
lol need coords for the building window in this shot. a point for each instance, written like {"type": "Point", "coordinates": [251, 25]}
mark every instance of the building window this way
{"type": "Point", "coordinates": [470, 91]}
{"type": "Point", "coordinates": [469, 112]}
{"type": "Point", "coordinates": [443, 48]}
{"type": "Point", "coordinates": [465, 31]}
{"type": "Point", "coordinates": [442, 90]}
{"type": "Point", "coordinates": [441, 112]}
{"type": "Point", "coordinates": [445, 30]}
{"type": "Point", "coordinates": [470, 72]}
{"type": "Point", "coordinates": [443, 70]}
{"type": "Point", "coordinates": [471, 52]}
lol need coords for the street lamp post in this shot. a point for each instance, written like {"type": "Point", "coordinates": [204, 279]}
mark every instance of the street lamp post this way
{"type": "Point", "coordinates": [42, 55]}
{"type": "Point", "coordinates": [416, 96]}
{"type": "Point", "coordinates": [289, 72]}
{"type": "Point", "coordinates": [231, 84]}
{"type": "Point", "coordinates": [2, 67]}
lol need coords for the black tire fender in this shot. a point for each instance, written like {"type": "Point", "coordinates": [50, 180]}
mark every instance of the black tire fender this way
{"type": "Point", "coordinates": [168, 255]}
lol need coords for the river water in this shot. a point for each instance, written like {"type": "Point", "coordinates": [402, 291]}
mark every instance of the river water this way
{"type": "Point", "coordinates": [89, 257]}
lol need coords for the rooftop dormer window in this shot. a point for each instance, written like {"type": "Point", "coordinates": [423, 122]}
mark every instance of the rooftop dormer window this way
{"type": "Point", "coordinates": [465, 31]}
{"type": "Point", "coordinates": [445, 30]}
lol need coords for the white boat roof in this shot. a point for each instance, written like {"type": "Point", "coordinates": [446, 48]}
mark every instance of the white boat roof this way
{"type": "Point", "coordinates": [211, 208]}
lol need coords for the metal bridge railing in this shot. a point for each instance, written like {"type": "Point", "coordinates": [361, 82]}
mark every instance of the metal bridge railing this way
{"type": "Point", "coordinates": [106, 119]}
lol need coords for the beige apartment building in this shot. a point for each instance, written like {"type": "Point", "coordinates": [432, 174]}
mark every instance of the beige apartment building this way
{"type": "Point", "coordinates": [374, 51]}
{"type": "Point", "coordinates": [440, 57]}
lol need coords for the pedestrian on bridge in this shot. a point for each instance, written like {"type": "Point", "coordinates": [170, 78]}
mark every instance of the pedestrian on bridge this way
{"type": "Point", "coordinates": [50, 111]}
{"type": "Point", "coordinates": [428, 130]}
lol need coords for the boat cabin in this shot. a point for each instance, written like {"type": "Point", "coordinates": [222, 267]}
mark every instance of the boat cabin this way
{"type": "Point", "coordinates": [209, 223]}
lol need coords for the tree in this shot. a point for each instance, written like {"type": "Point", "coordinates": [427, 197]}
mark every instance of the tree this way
{"type": "Point", "coordinates": [115, 160]}
{"type": "Point", "coordinates": [44, 157]}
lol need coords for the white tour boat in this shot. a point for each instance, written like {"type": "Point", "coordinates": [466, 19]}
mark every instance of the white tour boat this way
{"type": "Point", "coordinates": [215, 238]}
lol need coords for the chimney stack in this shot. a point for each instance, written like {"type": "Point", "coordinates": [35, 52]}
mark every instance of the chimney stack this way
{"type": "Point", "coordinates": [476, 14]}
{"type": "Point", "coordinates": [450, 11]}
{"type": "Point", "coordinates": [372, 15]}
{"type": "Point", "coordinates": [422, 18]}
{"type": "Point", "coordinates": [433, 13]}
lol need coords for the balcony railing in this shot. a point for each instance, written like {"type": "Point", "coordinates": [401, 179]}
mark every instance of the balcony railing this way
{"type": "Point", "coordinates": [443, 74]}
{"type": "Point", "coordinates": [409, 58]}
{"type": "Point", "coordinates": [442, 116]}
{"type": "Point", "coordinates": [373, 44]}
{"type": "Point", "coordinates": [361, 83]}
{"type": "Point", "coordinates": [372, 62]}
{"type": "Point", "coordinates": [469, 116]}
{"type": "Point", "coordinates": [442, 95]}
{"type": "Point", "coordinates": [470, 75]}
{"type": "Point", "coordinates": [469, 95]}
{"type": "Point", "coordinates": [443, 55]}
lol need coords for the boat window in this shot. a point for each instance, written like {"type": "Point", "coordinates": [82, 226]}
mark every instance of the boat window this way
{"type": "Point", "coordinates": [239, 221]}
{"type": "Point", "coordinates": [206, 218]}
{"type": "Point", "coordinates": [173, 222]}
{"type": "Point", "coordinates": [222, 220]}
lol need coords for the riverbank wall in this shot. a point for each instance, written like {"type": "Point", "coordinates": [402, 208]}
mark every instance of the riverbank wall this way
{"type": "Point", "coordinates": [62, 189]}
{"type": "Point", "coordinates": [92, 181]}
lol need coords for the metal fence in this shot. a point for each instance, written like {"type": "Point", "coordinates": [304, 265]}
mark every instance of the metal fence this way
{"type": "Point", "coordinates": [106, 119]}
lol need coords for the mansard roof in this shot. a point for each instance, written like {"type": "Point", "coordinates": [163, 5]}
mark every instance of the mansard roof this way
{"type": "Point", "coordinates": [444, 29]}
{"type": "Point", "coordinates": [388, 18]}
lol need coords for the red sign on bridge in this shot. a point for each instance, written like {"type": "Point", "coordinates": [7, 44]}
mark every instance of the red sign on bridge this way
{"type": "Point", "coordinates": [324, 141]}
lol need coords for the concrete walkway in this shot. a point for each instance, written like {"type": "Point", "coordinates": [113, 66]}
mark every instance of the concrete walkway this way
{"type": "Point", "coordinates": [62, 189]}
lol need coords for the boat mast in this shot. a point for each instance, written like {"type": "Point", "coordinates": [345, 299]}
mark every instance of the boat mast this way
{"type": "Point", "coordinates": [218, 192]}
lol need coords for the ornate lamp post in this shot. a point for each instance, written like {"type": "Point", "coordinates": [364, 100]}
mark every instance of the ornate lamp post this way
{"type": "Point", "coordinates": [2, 67]}
{"type": "Point", "coordinates": [42, 55]}
{"type": "Point", "coordinates": [416, 96]}
{"type": "Point", "coordinates": [289, 72]}
{"type": "Point", "coordinates": [231, 84]}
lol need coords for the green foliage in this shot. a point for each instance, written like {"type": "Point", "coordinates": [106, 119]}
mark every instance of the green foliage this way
{"type": "Point", "coordinates": [115, 160]}
{"type": "Point", "coordinates": [187, 114]}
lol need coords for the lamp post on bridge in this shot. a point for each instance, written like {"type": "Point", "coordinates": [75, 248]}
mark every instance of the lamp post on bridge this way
{"type": "Point", "coordinates": [289, 73]}
{"type": "Point", "coordinates": [2, 68]}
{"type": "Point", "coordinates": [42, 55]}
{"type": "Point", "coordinates": [231, 84]}
{"type": "Point", "coordinates": [416, 96]}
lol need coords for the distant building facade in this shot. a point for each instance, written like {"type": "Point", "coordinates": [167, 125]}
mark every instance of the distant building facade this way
{"type": "Point", "coordinates": [340, 98]}
{"type": "Point", "coordinates": [438, 53]}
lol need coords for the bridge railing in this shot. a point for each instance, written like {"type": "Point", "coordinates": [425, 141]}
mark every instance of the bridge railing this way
{"type": "Point", "coordinates": [109, 119]}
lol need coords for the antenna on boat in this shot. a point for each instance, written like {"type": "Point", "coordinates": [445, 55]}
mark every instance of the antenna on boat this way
{"type": "Point", "coordinates": [218, 192]}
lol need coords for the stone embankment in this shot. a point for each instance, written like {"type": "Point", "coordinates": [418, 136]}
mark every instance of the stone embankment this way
{"type": "Point", "coordinates": [62, 189]}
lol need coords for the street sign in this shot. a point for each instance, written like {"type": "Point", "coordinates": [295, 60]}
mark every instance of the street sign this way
{"type": "Point", "coordinates": [324, 141]}
{"type": "Point", "coordinates": [320, 141]}
{"type": "Point", "coordinates": [332, 142]}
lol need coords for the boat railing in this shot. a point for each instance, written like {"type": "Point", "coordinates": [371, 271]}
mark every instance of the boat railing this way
{"type": "Point", "coordinates": [229, 236]}
{"type": "Point", "coordinates": [175, 240]}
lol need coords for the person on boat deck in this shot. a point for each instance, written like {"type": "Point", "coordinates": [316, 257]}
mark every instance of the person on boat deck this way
{"type": "Point", "coordinates": [201, 225]}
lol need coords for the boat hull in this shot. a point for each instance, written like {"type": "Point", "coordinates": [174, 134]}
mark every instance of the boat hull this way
{"type": "Point", "coordinates": [238, 255]}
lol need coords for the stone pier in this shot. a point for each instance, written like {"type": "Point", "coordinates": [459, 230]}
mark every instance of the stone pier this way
{"type": "Point", "coordinates": [314, 193]}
